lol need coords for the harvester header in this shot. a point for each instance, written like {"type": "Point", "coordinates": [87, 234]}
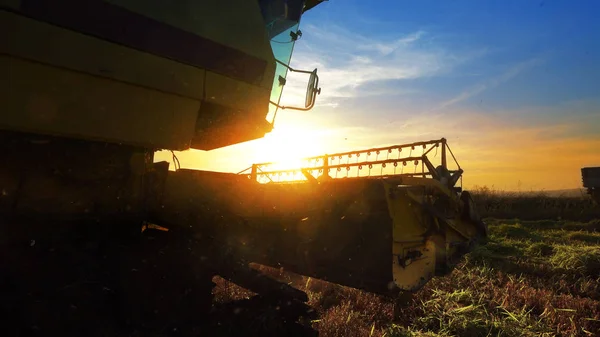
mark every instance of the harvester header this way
{"type": "Point", "coordinates": [407, 160]}
{"type": "Point", "coordinates": [345, 217]}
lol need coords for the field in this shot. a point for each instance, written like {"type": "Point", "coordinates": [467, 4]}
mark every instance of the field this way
{"type": "Point", "coordinates": [537, 276]}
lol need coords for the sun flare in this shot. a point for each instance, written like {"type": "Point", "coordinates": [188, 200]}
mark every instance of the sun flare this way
{"type": "Point", "coordinates": [285, 147]}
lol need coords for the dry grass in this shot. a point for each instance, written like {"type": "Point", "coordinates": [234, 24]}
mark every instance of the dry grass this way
{"type": "Point", "coordinates": [534, 205]}
{"type": "Point", "coordinates": [531, 278]}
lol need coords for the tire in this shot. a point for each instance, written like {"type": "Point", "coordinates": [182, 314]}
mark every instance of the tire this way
{"type": "Point", "coordinates": [470, 213]}
{"type": "Point", "coordinates": [164, 286]}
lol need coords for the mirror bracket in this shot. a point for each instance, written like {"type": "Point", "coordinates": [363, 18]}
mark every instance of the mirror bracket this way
{"type": "Point", "coordinates": [282, 80]}
{"type": "Point", "coordinates": [311, 92]}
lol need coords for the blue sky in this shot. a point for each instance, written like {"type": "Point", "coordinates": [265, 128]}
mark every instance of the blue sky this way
{"type": "Point", "coordinates": [485, 54]}
{"type": "Point", "coordinates": [514, 85]}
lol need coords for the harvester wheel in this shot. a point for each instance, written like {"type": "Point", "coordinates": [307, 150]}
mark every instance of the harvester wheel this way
{"type": "Point", "coordinates": [470, 213]}
{"type": "Point", "coordinates": [164, 284]}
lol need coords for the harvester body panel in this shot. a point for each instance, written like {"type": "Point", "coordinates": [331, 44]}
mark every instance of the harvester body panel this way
{"type": "Point", "coordinates": [153, 74]}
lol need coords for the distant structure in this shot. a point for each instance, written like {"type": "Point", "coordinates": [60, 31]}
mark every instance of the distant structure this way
{"type": "Point", "coordinates": [591, 181]}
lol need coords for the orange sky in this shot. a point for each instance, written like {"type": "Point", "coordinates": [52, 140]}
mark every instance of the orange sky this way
{"type": "Point", "coordinates": [494, 153]}
{"type": "Point", "coordinates": [518, 103]}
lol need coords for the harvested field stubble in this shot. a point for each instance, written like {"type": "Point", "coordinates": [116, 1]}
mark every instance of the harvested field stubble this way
{"type": "Point", "coordinates": [578, 206]}
{"type": "Point", "coordinates": [531, 278]}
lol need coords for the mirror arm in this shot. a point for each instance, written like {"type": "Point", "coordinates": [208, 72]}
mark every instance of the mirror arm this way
{"type": "Point", "coordinates": [293, 107]}
{"type": "Point", "coordinates": [292, 69]}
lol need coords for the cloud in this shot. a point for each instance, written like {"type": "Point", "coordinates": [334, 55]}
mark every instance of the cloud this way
{"type": "Point", "coordinates": [500, 151]}
{"type": "Point", "coordinates": [494, 149]}
{"type": "Point", "coordinates": [388, 48]}
{"type": "Point", "coordinates": [491, 83]}
{"type": "Point", "coordinates": [347, 62]}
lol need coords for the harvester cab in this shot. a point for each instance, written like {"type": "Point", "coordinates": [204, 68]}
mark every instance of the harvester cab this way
{"type": "Point", "coordinates": [151, 74]}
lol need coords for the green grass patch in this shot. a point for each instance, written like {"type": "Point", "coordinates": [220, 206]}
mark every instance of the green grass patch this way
{"type": "Point", "coordinates": [543, 224]}
{"type": "Point", "coordinates": [540, 249]}
{"type": "Point", "coordinates": [581, 259]}
{"type": "Point", "coordinates": [592, 238]}
{"type": "Point", "coordinates": [400, 331]}
{"type": "Point", "coordinates": [516, 231]}
{"type": "Point", "coordinates": [505, 249]}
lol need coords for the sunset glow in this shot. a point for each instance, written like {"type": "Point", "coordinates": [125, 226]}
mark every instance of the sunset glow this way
{"type": "Point", "coordinates": [519, 105]}
{"type": "Point", "coordinates": [288, 145]}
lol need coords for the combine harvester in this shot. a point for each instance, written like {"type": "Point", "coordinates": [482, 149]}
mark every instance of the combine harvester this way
{"type": "Point", "coordinates": [96, 237]}
{"type": "Point", "coordinates": [591, 180]}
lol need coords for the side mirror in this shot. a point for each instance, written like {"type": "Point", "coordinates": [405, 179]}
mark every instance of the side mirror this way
{"type": "Point", "coordinates": [312, 89]}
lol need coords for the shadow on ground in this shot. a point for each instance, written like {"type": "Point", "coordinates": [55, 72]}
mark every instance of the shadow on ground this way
{"type": "Point", "coordinates": [60, 281]}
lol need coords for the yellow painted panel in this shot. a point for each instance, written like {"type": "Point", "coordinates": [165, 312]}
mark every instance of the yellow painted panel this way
{"type": "Point", "coordinates": [35, 40]}
{"type": "Point", "coordinates": [418, 272]}
{"type": "Point", "coordinates": [399, 248]}
{"type": "Point", "coordinates": [40, 98]}
{"type": "Point", "coordinates": [231, 93]}
{"type": "Point", "coordinates": [417, 181]}
{"type": "Point", "coordinates": [235, 23]}
{"type": "Point", "coordinates": [406, 214]}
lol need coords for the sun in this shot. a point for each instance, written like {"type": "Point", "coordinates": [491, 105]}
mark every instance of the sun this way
{"type": "Point", "coordinates": [288, 145]}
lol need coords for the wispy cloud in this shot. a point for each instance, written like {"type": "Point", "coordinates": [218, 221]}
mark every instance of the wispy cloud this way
{"type": "Point", "coordinates": [532, 153]}
{"type": "Point", "coordinates": [491, 83]}
{"type": "Point", "coordinates": [348, 61]}
{"type": "Point", "coordinates": [534, 150]}
{"type": "Point", "coordinates": [390, 47]}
